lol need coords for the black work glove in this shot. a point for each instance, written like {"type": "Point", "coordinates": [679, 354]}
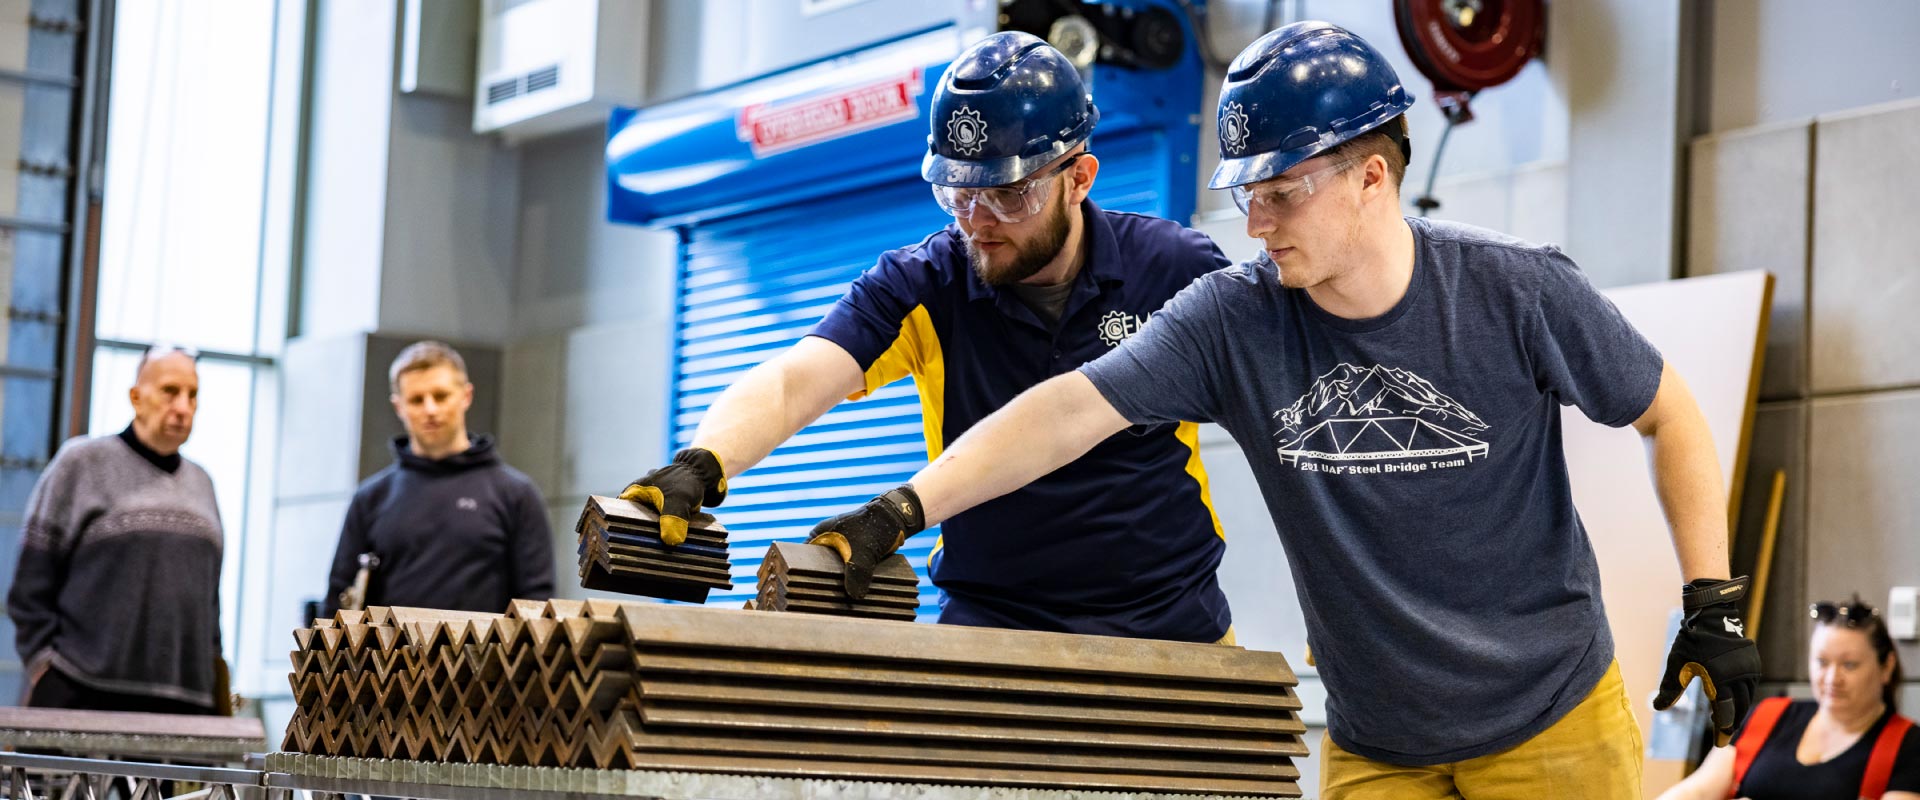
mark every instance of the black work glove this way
{"type": "Point", "coordinates": [866, 536]}
{"type": "Point", "coordinates": [678, 490]}
{"type": "Point", "coordinates": [1713, 646]}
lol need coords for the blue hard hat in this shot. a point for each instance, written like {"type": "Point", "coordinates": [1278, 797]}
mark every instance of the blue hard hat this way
{"type": "Point", "coordinates": [1005, 108]}
{"type": "Point", "coordinates": [1297, 92]}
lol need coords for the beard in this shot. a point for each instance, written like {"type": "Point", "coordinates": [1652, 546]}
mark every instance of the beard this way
{"type": "Point", "coordinates": [1028, 258]}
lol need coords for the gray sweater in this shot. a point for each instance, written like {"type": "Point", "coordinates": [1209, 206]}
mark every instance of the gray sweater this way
{"type": "Point", "coordinates": [119, 577]}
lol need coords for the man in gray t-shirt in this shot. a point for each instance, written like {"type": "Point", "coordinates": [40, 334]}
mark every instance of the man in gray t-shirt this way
{"type": "Point", "coordinates": [1396, 385]}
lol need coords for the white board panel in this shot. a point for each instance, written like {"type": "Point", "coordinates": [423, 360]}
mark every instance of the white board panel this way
{"type": "Point", "coordinates": [1709, 329]}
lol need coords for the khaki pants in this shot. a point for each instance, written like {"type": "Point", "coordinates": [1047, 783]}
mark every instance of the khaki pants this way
{"type": "Point", "coordinates": [1593, 753]}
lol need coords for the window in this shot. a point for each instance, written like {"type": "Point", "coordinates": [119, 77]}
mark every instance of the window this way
{"type": "Point", "coordinates": [199, 184]}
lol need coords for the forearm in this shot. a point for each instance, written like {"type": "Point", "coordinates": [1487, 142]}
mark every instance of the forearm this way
{"type": "Point", "coordinates": [1686, 476]}
{"type": "Point", "coordinates": [1709, 782]}
{"type": "Point", "coordinates": [773, 401]}
{"type": "Point", "coordinates": [1040, 431]}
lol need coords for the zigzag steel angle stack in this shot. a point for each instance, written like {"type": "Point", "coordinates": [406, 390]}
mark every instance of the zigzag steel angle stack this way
{"type": "Point", "coordinates": [640, 685]}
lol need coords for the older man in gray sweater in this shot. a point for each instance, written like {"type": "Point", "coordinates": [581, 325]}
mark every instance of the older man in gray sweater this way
{"type": "Point", "coordinates": [116, 602]}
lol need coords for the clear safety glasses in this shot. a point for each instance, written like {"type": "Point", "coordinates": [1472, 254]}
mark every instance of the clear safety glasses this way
{"type": "Point", "coordinates": [1009, 204]}
{"type": "Point", "coordinates": [1282, 196]}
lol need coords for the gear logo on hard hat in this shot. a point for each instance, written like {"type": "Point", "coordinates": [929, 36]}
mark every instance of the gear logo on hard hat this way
{"type": "Point", "coordinates": [966, 131]}
{"type": "Point", "coordinates": [1233, 127]}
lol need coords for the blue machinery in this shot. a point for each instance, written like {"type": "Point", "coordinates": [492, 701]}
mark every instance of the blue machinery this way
{"type": "Point", "coordinates": [785, 188]}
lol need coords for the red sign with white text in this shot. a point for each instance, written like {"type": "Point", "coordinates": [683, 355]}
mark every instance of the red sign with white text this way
{"type": "Point", "coordinates": [774, 127]}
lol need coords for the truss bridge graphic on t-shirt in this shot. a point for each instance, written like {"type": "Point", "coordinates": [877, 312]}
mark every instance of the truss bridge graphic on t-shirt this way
{"type": "Point", "coordinates": [1373, 414]}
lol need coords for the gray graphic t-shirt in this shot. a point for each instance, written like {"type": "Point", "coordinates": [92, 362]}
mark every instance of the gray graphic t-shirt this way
{"type": "Point", "coordinates": [1412, 464]}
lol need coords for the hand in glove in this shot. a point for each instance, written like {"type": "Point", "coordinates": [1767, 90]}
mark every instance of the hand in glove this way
{"type": "Point", "coordinates": [678, 490]}
{"type": "Point", "coordinates": [1713, 646]}
{"type": "Point", "coordinates": [866, 536]}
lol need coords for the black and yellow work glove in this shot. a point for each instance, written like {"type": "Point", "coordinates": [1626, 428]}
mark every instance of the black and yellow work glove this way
{"type": "Point", "coordinates": [868, 535]}
{"type": "Point", "coordinates": [679, 489]}
{"type": "Point", "coordinates": [1713, 646]}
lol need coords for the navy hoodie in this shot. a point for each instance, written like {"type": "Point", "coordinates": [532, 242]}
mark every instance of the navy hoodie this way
{"type": "Point", "coordinates": [465, 532]}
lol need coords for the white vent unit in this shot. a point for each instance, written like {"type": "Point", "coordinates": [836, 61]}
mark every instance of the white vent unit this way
{"type": "Point", "coordinates": [552, 65]}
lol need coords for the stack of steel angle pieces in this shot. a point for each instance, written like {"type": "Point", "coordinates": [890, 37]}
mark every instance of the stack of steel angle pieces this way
{"type": "Point", "coordinates": [809, 578]}
{"type": "Point", "coordinates": [677, 688]}
{"type": "Point", "coordinates": [621, 551]}
{"type": "Point", "coordinates": [124, 734]}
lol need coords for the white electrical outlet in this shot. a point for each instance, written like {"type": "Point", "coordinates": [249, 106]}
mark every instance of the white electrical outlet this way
{"type": "Point", "coordinates": [1903, 612]}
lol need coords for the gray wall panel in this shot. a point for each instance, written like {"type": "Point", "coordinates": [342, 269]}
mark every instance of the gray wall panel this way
{"type": "Point", "coordinates": [616, 405]}
{"type": "Point", "coordinates": [1778, 443]}
{"type": "Point", "coordinates": [1866, 250]}
{"type": "Point", "coordinates": [562, 513]}
{"type": "Point", "coordinates": [1623, 144]}
{"type": "Point", "coordinates": [1747, 209]}
{"type": "Point", "coordinates": [1778, 60]}
{"type": "Point", "coordinates": [1862, 511]}
{"type": "Point", "coordinates": [448, 254]}
{"type": "Point", "coordinates": [530, 403]}
{"type": "Point", "coordinates": [574, 267]}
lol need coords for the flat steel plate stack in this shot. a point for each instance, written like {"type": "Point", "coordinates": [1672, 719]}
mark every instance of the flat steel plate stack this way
{"type": "Point", "coordinates": [677, 688]}
{"type": "Point", "coordinates": [185, 738]}
{"type": "Point", "coordinates": [621, 551]}
{"type": "Point", "coordinates": [808, 578]}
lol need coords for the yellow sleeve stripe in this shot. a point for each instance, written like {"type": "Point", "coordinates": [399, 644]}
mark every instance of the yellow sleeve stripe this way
{"type": "Point", "coordinates": [1189, 434]}
{"type": "Point", "coordinates": [915, 352]}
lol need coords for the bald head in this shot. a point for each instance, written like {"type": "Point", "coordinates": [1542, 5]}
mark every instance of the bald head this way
{"type": "Point", "coordinates": [165, 395]}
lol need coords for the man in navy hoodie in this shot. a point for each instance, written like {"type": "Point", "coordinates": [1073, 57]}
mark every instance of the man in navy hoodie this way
{"type": "Point", "coordinates": [449, 524]}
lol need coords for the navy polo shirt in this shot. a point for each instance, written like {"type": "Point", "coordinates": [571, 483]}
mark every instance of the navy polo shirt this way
{"type": "Point", "coordinates": [1121, 542]}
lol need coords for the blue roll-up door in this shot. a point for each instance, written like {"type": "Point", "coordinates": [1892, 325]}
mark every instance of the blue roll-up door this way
{"type": "Point", "coordinates": [753, 284]}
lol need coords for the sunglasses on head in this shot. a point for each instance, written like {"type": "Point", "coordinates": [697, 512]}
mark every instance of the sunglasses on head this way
{"type": "Point", "coordinates": [1848, 614]}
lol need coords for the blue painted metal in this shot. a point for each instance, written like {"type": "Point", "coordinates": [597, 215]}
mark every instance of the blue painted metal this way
{"type": "Point", "coordinates": [770, 241]}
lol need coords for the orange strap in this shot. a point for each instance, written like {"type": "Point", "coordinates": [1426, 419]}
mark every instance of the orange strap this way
{"type": "Point", "coordinates": [1760, 724]}
{"type": "Point", "coordinates": [1885, 750]}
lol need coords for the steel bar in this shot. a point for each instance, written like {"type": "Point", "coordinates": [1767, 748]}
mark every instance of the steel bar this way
{"type": "Point", "coordinates": [700, 566]}
{"type": "Point", "coordinates": [840, 601]}
{"type": "Point", "coordinates": [666, 588]}
{"type": "Point", "coordinates": [614, 512]}
{"type": "Point", "coordinates": [714, 549]}
{"type": "Point", "coordinates": [695, 537]}
{"type": "Point", "coordinates": [844, 728]}
{"type": "Point", "coordinates": [912, 751]}
{"type": "Point", "coordinates": [811, 584]}
{"type": "Point", "coordinates": [750, 666]}
{"type": "Point", "coordinates": [858, 769]}
{"type": "Point", "coordinates": [131, 723]}
{"type": "Point", "coordinates": [837, 609]}
{"type": "Point", "coordinates": [904, 643]}
{"type": "Point", "coordinates": [814, 560]}
{"type": "Point", "coordinates": [485, 782]}
{"type": "Point", "coordinates": [774, 695]}
{"type": "Point", "coordinates": [626, 567]}
{"type": "Point", "coordinates": [126, 734]}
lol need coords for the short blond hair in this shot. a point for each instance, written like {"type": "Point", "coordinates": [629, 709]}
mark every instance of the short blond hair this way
{"type": "Point", "coordinates": [1384, 141]}
{"type": "Point", "coordinates": [424, 355]}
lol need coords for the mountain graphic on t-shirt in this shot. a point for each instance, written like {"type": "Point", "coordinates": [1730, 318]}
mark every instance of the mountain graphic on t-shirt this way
{"type": "Point", "coordinates": [1350, 391]}
{"type": "Point", "coordinates": [1374, 413]}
